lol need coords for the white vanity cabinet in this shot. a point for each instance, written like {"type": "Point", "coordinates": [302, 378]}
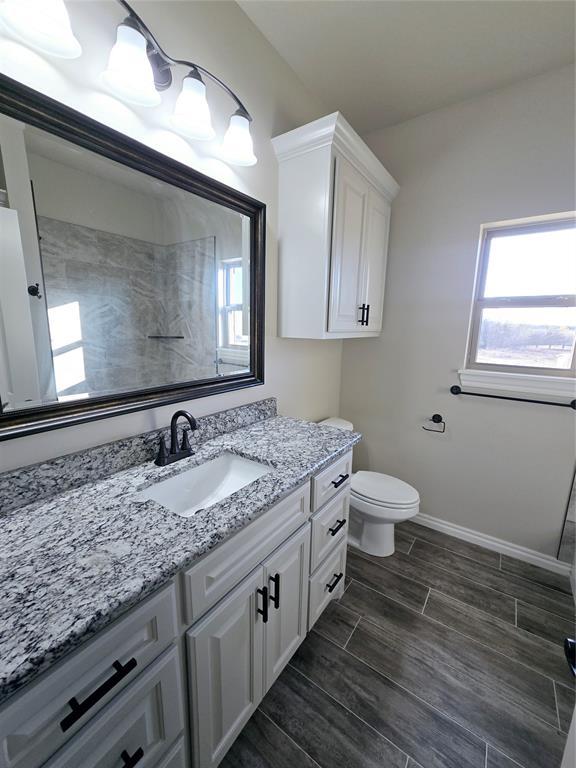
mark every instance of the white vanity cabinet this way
{"type": "Point", "coordinates": [334, 214]}
{"type": "Point", "coordinates": [236, 652]}
{"type": "Point", "coordinates": [218, 635]}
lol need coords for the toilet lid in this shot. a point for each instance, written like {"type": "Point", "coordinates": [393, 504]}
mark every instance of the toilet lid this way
{"type": "Point", "coordinates": [384, 489]}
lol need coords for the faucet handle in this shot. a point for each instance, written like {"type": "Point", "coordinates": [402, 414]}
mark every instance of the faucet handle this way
{"type": "Point", "coordinates": [186, 442]}
{"type": "Point", "coordinates": [162, 457]}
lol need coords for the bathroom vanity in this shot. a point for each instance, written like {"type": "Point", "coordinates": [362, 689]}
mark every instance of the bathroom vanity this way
{"type": "Point", "coordinates": [141, 637]}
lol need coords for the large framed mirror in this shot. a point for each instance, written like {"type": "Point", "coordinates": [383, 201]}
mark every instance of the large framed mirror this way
{"type": "Point", "coordinates": [127, 279]}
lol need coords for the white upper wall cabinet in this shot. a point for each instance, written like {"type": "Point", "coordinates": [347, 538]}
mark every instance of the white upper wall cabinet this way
{"type": "Point", "coordinates": [334, 197]}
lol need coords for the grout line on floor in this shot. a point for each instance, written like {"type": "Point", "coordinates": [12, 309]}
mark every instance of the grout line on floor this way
{"type": "Point", "coordinates": [355, 714]}
{"type": "Point", "coordinates": [345, 588]}
{"type": "Point", "coordinates": [486, 685]}
{"type": "Point", "coordinates": [407, 761]}
{"type": "Point", "coordinates": [516, 612]}
{"type": "Point", "coordinates": [499, 752]}
{"type": "Point", "coordinates": [358, 620]}
{"type": "Point", "coordinates": [528, 582]}
{"type": "Point", "coordinates": [486, 756]}
{"type": "Point", "coordinates": [410, 550]}
{"type": "Point", "coordinates": [444, 594]}
{"type": "Point", "coordinates": [545, 723]}
{"type": "Point", "coordinates": [399, 685]}
{"type": "Point", "coordinates": [275, 724]}
{"type": "Point", "coordinates": [499, 568]}
{"type": "Point", "coordinates": [557, 708]}
{"type": "Point", "coordinates": [472, 581]}
{"type": "Point", "coordinates": [467, 637]}
{"type": "Point", "coordinates": [426, 601]}
{"type": "Point", "coordinates": [455, 551]}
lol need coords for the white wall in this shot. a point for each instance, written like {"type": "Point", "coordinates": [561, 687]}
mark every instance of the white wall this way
{"type": "Point", "coordinates": [304, 375]}
{"type": "Point", "coordinates": [77, 196]}
{"type": "Point", "coordinates": [504, 469]}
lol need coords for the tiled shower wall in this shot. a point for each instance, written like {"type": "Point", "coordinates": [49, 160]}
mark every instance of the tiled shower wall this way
{"type": "Point", "coordinates": [128, 291]}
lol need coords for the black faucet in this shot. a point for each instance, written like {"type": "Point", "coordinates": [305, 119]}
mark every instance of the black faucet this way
{"type": "Point", "coordinates": [176, 453]}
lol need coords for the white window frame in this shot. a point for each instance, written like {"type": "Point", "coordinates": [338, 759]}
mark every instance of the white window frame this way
{"type": "Point", "coordinates": [228, 353]}
{"type": "Point", "coordinates": [525, 379]}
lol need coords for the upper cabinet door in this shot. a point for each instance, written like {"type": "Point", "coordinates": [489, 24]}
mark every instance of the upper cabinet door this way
{"type": "Point", "coordinates": [376, 242]}
{"type": "Point", "coordinates": [348, 272]}
{"type": "Point", "coordinates": [286, 574]}
{"type": "Point", "coordinates": [225, 668]}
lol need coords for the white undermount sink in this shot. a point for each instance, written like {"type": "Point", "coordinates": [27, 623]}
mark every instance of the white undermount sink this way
{"type": "Point", "coordinates": [204, 485]}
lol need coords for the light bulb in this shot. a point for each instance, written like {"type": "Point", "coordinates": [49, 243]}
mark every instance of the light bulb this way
{"type": "Point", "coordinates": [41, 24]}
{"type": "Point", "coordinates": [129, 74]}
{"type": "Point", "coordinates": [192, 114]}
{"type": "Point", "coordinates": [237, 147]}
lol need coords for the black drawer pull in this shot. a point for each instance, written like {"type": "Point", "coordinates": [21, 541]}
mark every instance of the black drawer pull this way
{"type": "Point", "coordinates": [264, 610]}
{"type": "Point", "coordinates": [79, 708]}
{"type": "Point", "coordinates": [130, 761]}
{"type": "Point", "coordinates": [367, 319]}
{"type": "Point", "coordinates": [337, 578]}
{"type": "Point", "coordinates": [339, 525]}
{"type": "Point", "coordinates": [362, 320]}
{"type": "Point", "coordinates": [342, 479]}
{"type": "Point", "coordinates": [275, 598]}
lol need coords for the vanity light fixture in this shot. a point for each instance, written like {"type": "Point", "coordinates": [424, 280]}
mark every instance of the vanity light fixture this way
{"type": "Point", "coordinates": [129, 73]}
{"type": "Point", "coordinates": [237, 147]}
{"type": "Point", "coordinates": [192, 114]}
{"type": "Point", "coordinates": [41, 24]}
{"type": "Point", "coordinates": [139, 70]}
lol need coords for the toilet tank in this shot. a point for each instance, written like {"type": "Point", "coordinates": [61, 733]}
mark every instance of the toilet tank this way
{"type": "Point", "coordinates": [334, 421]}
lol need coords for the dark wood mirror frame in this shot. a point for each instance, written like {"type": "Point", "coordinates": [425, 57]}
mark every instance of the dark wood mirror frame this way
{"type": "Point", "coordinates": [31, 107]}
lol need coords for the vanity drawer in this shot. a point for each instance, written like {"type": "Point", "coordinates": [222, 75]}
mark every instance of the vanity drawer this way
{"type": "Point", "coordinates": [214, 576]}
{"type": "Point", "coordinates": [144, 720]}
{"type": "Point", "coordinates": [327, 483]}
{"type": "Point", "coordinates": [325, 577]}
{"type": "Point", "coordinates": [329, 527]}
{"type": "Point", "coordinates": [40, 720]}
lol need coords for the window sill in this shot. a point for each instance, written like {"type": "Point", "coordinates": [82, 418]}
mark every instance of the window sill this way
{"type": "Point", "coordinates": [519, 383]}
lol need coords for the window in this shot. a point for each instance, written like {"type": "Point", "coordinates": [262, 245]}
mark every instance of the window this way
{"type": "Point", "coordinates": [524, 313]}
{"type": "Point", "coordinates": [231, 332]}
{"type": "Point", "coordinates": [67, 350]}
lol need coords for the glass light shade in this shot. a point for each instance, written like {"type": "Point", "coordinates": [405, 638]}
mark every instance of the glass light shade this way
{"type": "Point", "coordinates": [237, 147]}
{"type": "Point", "coordinates": [192, 114]}
{"type": "Point", "coordinates": [129, 74]}
{"type": "Point", "coordinates": [41, 24]}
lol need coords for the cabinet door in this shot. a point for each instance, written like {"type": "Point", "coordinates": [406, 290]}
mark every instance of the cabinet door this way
{"type": "Point", "coordinates": [286, 576]}
{"type": "Point", "coordinates": [347, 266]}
{"type": "Point", "coordinates": [376, 254]}
{"type": "Point", "coordinates": [225, 668]}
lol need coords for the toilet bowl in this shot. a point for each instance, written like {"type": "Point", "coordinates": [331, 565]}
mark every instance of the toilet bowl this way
{"type": "Point", "coordinates": [377, 503]}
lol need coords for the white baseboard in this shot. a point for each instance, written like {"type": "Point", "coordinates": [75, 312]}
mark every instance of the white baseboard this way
{"type": "Point", "coordinates": [491, 542]}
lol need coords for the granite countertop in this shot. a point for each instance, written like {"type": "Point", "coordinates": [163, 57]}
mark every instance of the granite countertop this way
{"type": "Point", "coordinates": [73, 563]}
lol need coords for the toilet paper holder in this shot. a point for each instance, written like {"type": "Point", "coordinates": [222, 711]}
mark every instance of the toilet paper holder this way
{"type": "Point", "coordinates": [439, 420]}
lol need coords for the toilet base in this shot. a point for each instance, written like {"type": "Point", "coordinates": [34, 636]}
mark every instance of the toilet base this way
{"type": "Point", "coordinates": [372, 538]}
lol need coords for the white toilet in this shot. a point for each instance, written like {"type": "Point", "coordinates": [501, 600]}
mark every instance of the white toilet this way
{"type": "Point", "coordinates": [377, 503]}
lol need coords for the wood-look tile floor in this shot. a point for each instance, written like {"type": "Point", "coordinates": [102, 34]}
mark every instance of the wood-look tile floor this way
{"type": "Point", "coordinates": [444, 655]}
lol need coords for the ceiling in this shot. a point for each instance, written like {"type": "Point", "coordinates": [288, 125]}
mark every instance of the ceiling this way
{"type": "Point", "coordinates": [384, 61]}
